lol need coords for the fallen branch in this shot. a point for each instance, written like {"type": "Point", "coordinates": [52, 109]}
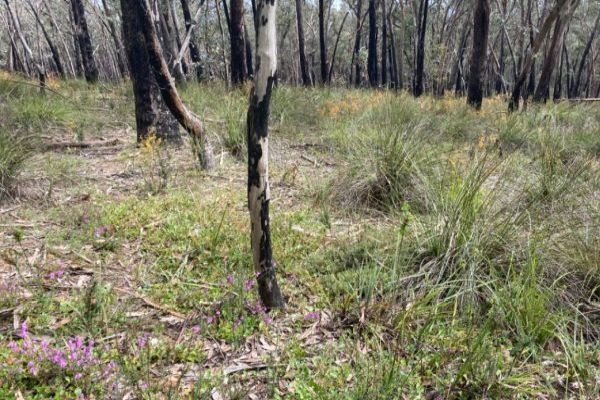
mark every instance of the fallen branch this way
{"type": "Point", "coordinates": [582, 100]}
{"type": "Point", "coordinates": [151, 303]}
{"type": "Point", "coordinates": [81, 145]}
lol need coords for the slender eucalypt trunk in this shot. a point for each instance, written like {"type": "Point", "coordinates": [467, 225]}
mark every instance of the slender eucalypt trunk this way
{"type": "Point", "coordinates": [258, 155]}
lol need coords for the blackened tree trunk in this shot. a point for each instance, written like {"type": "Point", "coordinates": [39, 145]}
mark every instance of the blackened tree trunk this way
{"type": "Point", "coordinates": [372, 54]}
{"type": "Point", "coordinates": [189, 121]}
{"type": "Point", "coordinates": [513, 104]}
{"type": "Point", "coordinates": [249, 65]}
{"type": "Point", "coordinates": [189, 28]}
{"type": "Point", "coordinates": [258, 156]}
{"type": "Point", "coordinates": [84, 41]}
{"type": "Point", "coordinates": [301, 45]}
{"type": "Point", "coordinates": [419, 85]}
{"type": "Point", "coordinates": [323, 43]}
{"type": "Point", "coordinates": [152, 116]}
{"type": "Point", "coordinates": [557, 93]}
{"type": "Point", "coordinates": [384, 44]}
{"type": "Point", "coordinates": [239, 69]}
{"type": "Point", "coordinates": [481, 29]}
{"type": "Point", "coordinates": [542, 91]}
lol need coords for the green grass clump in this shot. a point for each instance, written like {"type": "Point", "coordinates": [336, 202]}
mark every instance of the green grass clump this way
{"type": "Point", "coordinates": [14, 152]}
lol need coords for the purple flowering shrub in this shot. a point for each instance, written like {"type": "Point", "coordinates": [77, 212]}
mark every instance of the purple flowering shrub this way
{"type": "Point", "coordinates": [237, 312]}
{"type": "Point", "coordinates": [29, 361]}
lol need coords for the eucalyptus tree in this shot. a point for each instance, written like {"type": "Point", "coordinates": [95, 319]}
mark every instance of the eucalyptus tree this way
{"type": "Point", "coordinates": [84, 41]}
{"type": "Point", "coordinates": [481, 29]}
{"type": "Point", "coordinates": [152, 117]}
{"type": "Point", "coordinates": [188, 120]}
{"type": "Point", "coordinates": [418, 79]}
{"type": "Point", "coordinates": [259, 196]}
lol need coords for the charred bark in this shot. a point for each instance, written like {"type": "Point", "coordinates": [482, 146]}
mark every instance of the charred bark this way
{"type": "Point", "coordinates": [301, 45]}
{"type": "Point", "coordinates": [372, 54]}
{"type": "Point", "coordinates": [84, 41]}
{"type": "Point", "coordinates": [258, 156]}
{"type": "Point", "coordinates": [481, 28]}
{"type": "Point", "coordinates": [239, 69]}
{"type": "Point", "coordinates": [152, 116]}
{"type": "Point", "coordinates": [419, 86]}
{"type": "Point", "coordinates": [190, 122]}
{"type": "Point", "coordinates": [323, 43]}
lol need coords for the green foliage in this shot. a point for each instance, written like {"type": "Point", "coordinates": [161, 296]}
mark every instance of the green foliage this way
{"type": "Point", "coordinates": [14, 152]}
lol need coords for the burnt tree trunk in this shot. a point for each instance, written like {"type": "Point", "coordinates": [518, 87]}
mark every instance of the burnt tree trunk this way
{"type": "Point", "coordinates": [152, 116]}
{"type": "Point", "coordinates": [189, 121]}
{"type": "Point", "coordinates": [301, 45]}
{"type": "Point", "coordinates": [239, 68]}
{"type": "Point", "coordinates": [419, 86]}
{"type": "Point", "coordinates": [258, 156]}
{"type": "Point", "coordinates": [372, 55]}
{"type": "Point", "coordinates": [249, 65]}
{"type": "Point", "coordinates": [84, 42]}
{"type": "Point", "coordinates": [384, 44]}
{"type": "Point", "coordinates": [481, 29]}
{"type": "Point", "coordinates": [323, 43]}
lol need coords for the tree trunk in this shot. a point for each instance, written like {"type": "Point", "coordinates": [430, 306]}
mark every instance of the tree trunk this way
{"type": "Point", "coordinates": [323, 43]}
{"type": "Point", "coordinates": [419, 86]}
{"type": "Point", "coordinates": [189, 27]}
{"type": "Point", "coordinates": [190, 122]}
{"type": "Point", "coordinates": [542, 92]}
{"type": "Point", "coordinates": [513, 104]}
{"type": "Point", "coordinates": [169, 40]}
{"type": "Point", "coordinates": [355, 63]}
{"type": "Point", "coordinates": [115, 36]}
{"type": "Point", "coordinates": [372, 55]}
{"type": "Point", "coordinates": [584, 55]}
{"type": "Point", "coordinates": [481, 28]}
{"type": "Point", "coordinates": [239, 70]}
{"type": "Point", "coordinates": [53, 49]}
{"type": "Point", "coordinates": [557, 93]}
{"type": "Point", "coordinates": [258, 156]}
{"type": "Point", "coordinates": [152, 116]}
{"type": "Point", "coordinates": [301, 46]}
{"type": "Point", "coordinates": [384, 44]}
{"type": "Point", "coordinates": [249, 65]}
{"type": "Point", "coordinates": [84, 41]}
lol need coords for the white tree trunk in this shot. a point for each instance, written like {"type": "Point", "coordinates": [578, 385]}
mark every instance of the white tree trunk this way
{"type": "Point", "coordinates": [258, 155]}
